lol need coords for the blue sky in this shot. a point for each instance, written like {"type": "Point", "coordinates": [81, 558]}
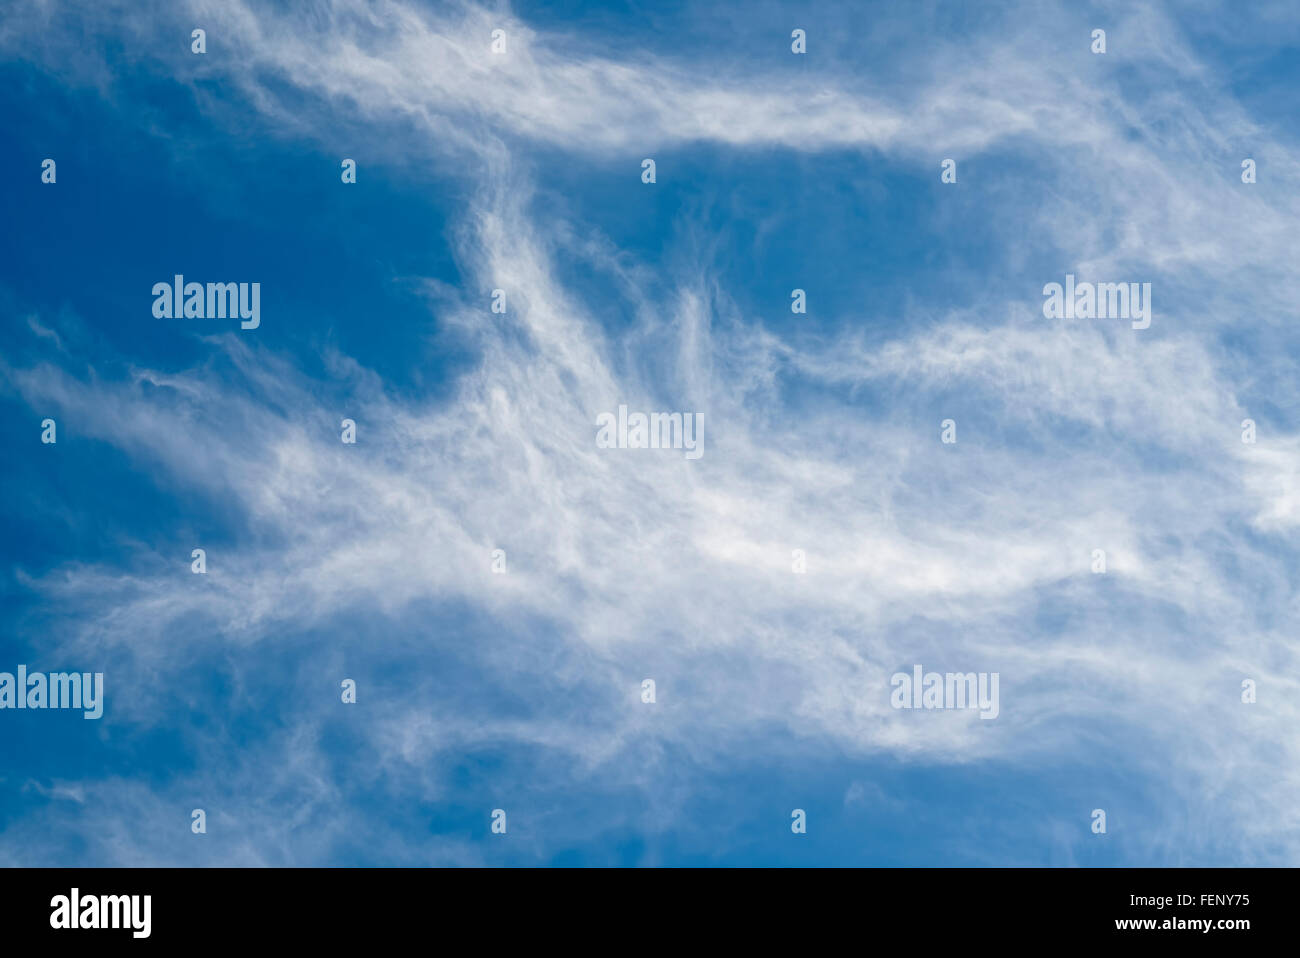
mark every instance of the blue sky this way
{"type": "Point", "coordinates": [476, 431]}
